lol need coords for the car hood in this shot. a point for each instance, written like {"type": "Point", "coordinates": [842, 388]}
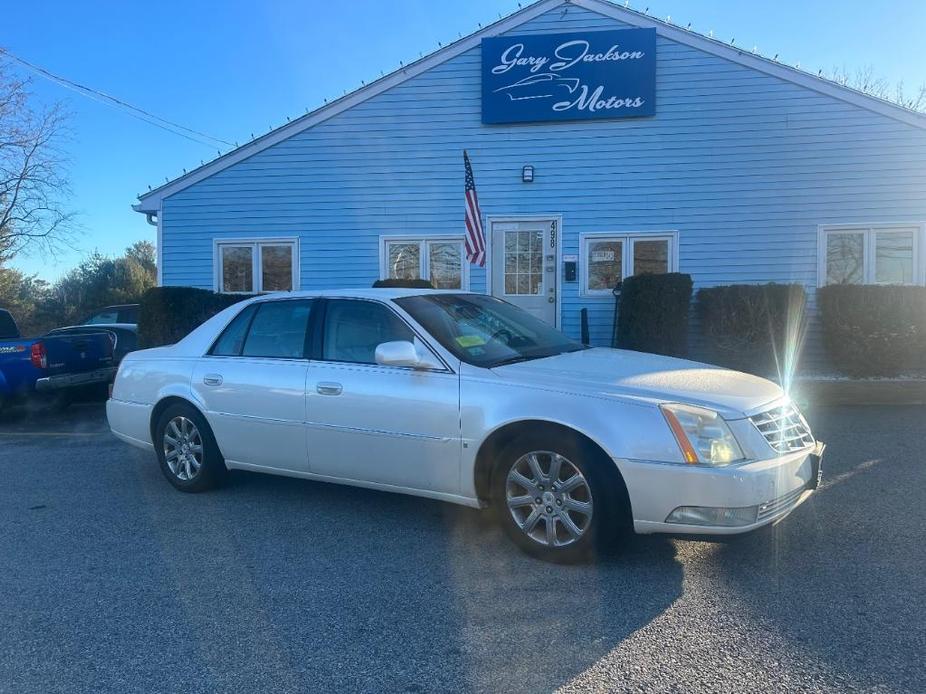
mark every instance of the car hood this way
{"type": "Point", "coordinates": [651, 377]}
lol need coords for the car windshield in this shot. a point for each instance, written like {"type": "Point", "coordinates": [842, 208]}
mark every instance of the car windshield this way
{"type": "Point", "coordinates": [485, 331]}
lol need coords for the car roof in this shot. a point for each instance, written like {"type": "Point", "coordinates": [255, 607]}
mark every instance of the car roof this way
{"type": "Point", "coordinates": [364, 293]}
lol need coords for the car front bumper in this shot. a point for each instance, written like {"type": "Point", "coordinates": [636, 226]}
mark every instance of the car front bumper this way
{"type": "Point", "coordinates": [86, 378]}
{"type": "Point", "coordinates": [775, 487]}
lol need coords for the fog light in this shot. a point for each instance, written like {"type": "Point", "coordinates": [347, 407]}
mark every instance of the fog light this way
{"type": "Point", "coordinates": [714, 515]}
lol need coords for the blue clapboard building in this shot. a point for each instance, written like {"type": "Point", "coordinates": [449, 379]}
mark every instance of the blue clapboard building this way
{"type": "Point", "coordinates": [604, 143]}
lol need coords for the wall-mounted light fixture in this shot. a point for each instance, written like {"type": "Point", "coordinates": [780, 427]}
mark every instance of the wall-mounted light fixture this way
{"type": "Point", "coordinates": [527, 174]}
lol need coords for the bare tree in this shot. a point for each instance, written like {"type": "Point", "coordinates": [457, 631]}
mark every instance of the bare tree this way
{"type": "Point", "coordinates": [865, 80]}
{"type": "Point", "coordinates": [33, 180]}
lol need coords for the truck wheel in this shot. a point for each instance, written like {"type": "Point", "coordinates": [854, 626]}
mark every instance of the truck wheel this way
{"type": "Point", "coordinates": [187, 451]}
{"type": "Point", "coordinates": [551, 494]}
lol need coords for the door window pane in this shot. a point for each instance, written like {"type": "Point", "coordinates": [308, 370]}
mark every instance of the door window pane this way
{"type": "Point", "coordinates": [605, 259]}
{"type": "Point", "coordinates": [845, 258]}
{"type": "Point", "coordinates": [237, 269]}
{"type": "Point", "coordinates": [404, 261]}
{"type": "Point", "coordinates": [894, 257]}
{"type": "Point", "coordinates": [276, 266]}
{"type": "Point", "coordinates": [445, 263]}
{"type": "Point", "coordinates": [354, 329]}
{"type": "Point", "coordinates": [103, 318]}
{"type": "Point", "coordinates": [523, 262]}
{"type": "Point", "coordinates": [278, 330]}
{"type": "Point", "coordinates": [650, 257]}
{"type": "Point", "coordinates": [231, 340]}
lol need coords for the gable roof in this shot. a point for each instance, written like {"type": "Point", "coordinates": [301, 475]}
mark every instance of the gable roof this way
{"type": "Point", "coordinates": [150, 202]}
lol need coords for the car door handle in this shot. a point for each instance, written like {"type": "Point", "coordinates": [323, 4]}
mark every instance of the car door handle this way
{"type": "Point", "coordinates": [329, 388]}
{"type": "Point", "coordinates": [212, 380]}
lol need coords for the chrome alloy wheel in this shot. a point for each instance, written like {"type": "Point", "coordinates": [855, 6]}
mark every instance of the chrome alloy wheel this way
{"type": "Point", "coordinates": [183, 448]}
{"type": "Point", "coordinates": [549, 498]}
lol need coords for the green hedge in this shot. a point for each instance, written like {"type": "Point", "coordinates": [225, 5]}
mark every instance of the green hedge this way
{"type": "Point", "coordinates": [757, 328]}
{"type": "Point", "coordinates": [168, 314]}
{"type": "Point", "coordinates": [402, 284]}
{"type": "Point", "coordinates": [653, 314]}
{"type": "Point", "coordinates": [874, 330]}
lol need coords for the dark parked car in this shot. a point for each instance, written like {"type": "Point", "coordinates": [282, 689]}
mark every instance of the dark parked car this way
{"type": "Point", "coordinates": [114, 315]}
{"type": "Point", "coordinates": [124, 336]}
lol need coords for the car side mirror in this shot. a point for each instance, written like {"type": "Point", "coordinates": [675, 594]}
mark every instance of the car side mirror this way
{"type": "Point", "coordinates": [399, 353]}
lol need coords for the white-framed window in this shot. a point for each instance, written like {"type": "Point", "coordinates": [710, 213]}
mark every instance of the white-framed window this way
{"type": "Point", "coordinates": [253, 266]}
{"type": "Point", "coordinates": [870, 254]}
{"type": "Point", "coordinates": [609, 258]}
{"type": "Point", "coordinates": [440, 259]}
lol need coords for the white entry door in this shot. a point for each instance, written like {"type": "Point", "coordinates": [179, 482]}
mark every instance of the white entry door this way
{"type": "Point", "coordinates": [524, 262]}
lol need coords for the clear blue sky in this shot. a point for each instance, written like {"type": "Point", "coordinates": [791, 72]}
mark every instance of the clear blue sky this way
{"type": "Point", "coordinates": [231, 68]}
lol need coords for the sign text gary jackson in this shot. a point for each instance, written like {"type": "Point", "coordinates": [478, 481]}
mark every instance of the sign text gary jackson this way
{"type": "Point", "coordinates": [578, 76]}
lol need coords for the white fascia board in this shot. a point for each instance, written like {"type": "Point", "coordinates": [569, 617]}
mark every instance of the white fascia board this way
{"type": "Point", "coordinates": [151, 201]}
{"type": "Point", "coordinates": [756, 62]}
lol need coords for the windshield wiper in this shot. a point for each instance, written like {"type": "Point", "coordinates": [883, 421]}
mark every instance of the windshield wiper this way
{"type": "Point", "coordinates": [524, 357]}
{"type": "Point", "coordinates": [516, 360]}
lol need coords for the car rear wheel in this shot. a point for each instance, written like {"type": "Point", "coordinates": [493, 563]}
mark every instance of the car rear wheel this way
{"type": "Point", "coordinates": [186, 449]}
{"type": "Point", "coordinates": [551, 496]}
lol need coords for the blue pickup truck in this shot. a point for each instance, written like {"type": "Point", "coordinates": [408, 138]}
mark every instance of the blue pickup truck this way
{"type": "Point", "coordinates": [51, 364]}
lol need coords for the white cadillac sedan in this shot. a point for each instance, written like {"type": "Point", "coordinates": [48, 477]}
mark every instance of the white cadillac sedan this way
{"type": "Point", "coordinates": [468, 399]}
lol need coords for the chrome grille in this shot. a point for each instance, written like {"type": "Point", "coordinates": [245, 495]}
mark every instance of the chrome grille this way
{"type": "Point", "coordinates": [770, 508]}
{"type": "Point", "coordinates": [784, 428]}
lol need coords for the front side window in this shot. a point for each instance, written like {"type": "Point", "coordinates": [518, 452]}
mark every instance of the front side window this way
{"type": "Point", "coordinates": [354, 329]}
{"type": "Point", "coordinates": [246, 267]}
{"type": "Point", "coordinates": [485, 331]}
{"type": "Point", "coordinates": [608, 259]}
{"type": "Point", "coordinates": [438, 260]}
{"type": "Point", "coordinates": [870, 255]}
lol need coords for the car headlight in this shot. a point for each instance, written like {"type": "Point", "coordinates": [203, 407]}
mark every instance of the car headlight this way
{"type": "Point", "coordinates": [702, 435]}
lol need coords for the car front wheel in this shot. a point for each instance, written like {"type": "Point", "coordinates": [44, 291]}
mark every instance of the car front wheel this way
{"type": "Point", "coordinates": [552, 499]}
{"type": "Point", "coordinates": [186, 449]}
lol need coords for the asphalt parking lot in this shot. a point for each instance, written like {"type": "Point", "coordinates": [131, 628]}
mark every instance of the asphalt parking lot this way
{"type": "Point", "coordinates": [112, 581]}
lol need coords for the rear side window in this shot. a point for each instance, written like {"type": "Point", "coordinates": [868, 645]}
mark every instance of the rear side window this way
{"type": "Point", "coordinates": [278, 330]}
{"type": "Point", "coordinates": [103, 317]}
{"type": "Point", "coordinates": [8, 327]}
{"type": "Point", "coordinates": [129, 314]}
{"type": "Point", "coordinates": [231, 340]}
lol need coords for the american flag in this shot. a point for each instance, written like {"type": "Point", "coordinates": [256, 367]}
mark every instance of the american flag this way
{"type": "Point", "coordinates": [475, 237]}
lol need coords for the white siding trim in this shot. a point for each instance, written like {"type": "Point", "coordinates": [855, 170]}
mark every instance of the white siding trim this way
{"type": "Point", "coordinates": [159, 247]}
{"type": "Point", "coordinates": [147, 200]}
{"type": "Point", "coordinates": [255, 241]}
{"type": "Point", "coordinates": [919, 245]}
{"type": "Point", "coordinates": [150, 201]}
{"type": "Point", "coordinates": [755, 61]}
{"type": "Point", "coordinates": [558, 218]}
{"type": "Point", "coordinates": [422, 240]}
{"type": "Point", "coordinates": [627, 237]}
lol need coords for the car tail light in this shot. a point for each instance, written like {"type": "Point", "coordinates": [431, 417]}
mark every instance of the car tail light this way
{"type": "Point", "coordinates": [39, 356]}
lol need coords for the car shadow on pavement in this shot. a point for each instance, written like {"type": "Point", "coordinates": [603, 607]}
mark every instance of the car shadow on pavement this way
{"type": "Point", "coordinates": [842, 579]}
{"type": "Point", "coordinates": [364, 590]}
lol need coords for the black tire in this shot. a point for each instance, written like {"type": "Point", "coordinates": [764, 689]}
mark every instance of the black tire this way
{"type": "Point", "coordinates": [211, 471]}
{"type": "Point", "coordinates": [605, 489]}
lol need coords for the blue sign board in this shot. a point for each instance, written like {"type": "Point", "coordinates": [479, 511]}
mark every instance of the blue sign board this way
{"type": "Point", "coordinates": [576, 76]}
